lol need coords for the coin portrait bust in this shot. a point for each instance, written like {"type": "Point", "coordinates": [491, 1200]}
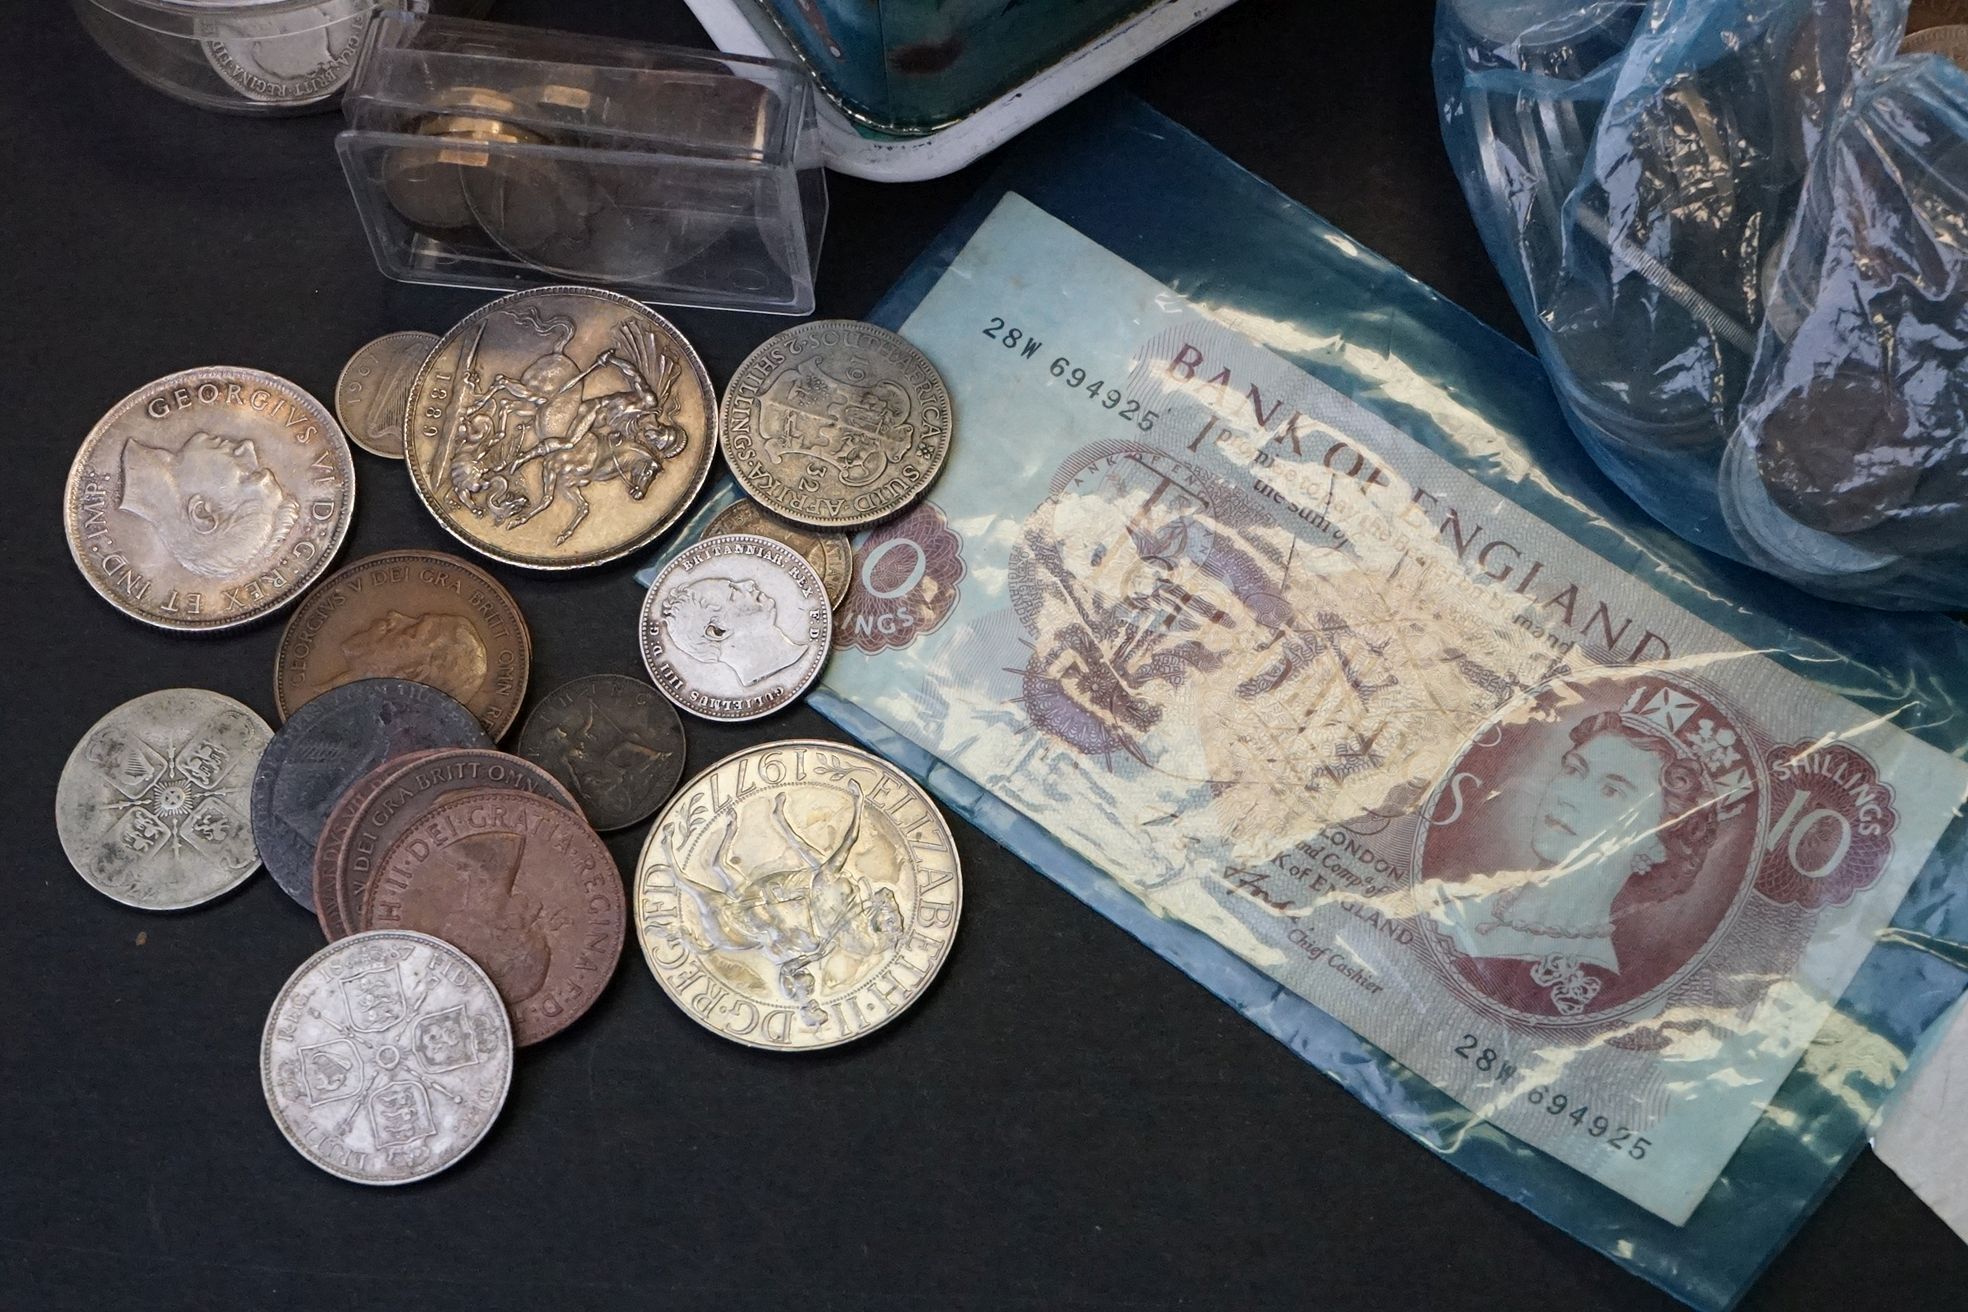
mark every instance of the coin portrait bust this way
{"type": "Point", "coordinates": [730, 622]}
{"type": "Point", "coordinates": [215, 508]}
{"type": "Point", "coordinates": [1621, 804]}
{"type": "Point", "coordinates": [443, 651]}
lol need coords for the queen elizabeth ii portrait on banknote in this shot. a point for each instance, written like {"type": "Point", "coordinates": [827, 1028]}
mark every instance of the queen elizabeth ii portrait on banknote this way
{"type": "Point", "coordinates": [1589, 844]}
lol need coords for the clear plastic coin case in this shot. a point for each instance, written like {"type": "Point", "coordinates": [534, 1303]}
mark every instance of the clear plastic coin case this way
{"type": "Point", "coordinates": [482, 155]}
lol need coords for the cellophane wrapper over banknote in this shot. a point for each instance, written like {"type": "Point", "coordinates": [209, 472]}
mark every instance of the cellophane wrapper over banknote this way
{"type": "Point", "coordinates": [1734, 230]}
{"type": "Point", "coordinates": [1267, 604]}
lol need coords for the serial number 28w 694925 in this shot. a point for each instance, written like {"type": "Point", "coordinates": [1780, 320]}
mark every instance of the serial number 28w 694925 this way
{"type": "Point", "coordinates": [1072, 376]}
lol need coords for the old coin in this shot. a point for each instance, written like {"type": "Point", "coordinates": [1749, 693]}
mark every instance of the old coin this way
{"type": "Point", "coordinates": [326, 746]}
{"type": "Point", "coordinates": [524, 887]}
{"type": "Point", "coordinates": [402, 791]}
{"type": "Point", "coordinates": [374, 389]}
{"type": "Point", "coordinates": [830, 554]}
{"type": "Point", "coordinates": [560, 427]}
{"type": "Point", "coordinates": [836, 424]}
{"type": "Point", "coordinates": [419, 615]}
{"type": "Point", "coordinates": [292, 58]}
{"type": "Point", "coordinates": [209, 498]}
{"type": "Point", "coordinates": [798, 895]}
{"type": "Point", "coordinates": [386, 1057]}
{"type": "Point", "coordinates": [1949, 41]}
{"type": "Point", "coordinates": [615, 741]}
{"type": "Point", "coordinates": [736, 627]}
{"type": "Point", "coordinates": [152, 806]}
{"type": "Point", "coordinates": [334, 838]}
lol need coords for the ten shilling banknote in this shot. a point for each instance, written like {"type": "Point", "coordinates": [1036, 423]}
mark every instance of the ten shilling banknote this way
{"type": "Point", "coordinates": [1582, 861]}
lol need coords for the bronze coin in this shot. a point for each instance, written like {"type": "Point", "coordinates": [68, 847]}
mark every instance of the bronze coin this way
{"type": "Point", "coordinates": [616, 741]}
{"type": "Point", "coordinates": [406, 791]}
{"type": "Point", "coordinates": [334, 838]}
{"type": "Point", "coordinates": [419, 615]}
{"type": "Point", "coordinates": [524, 887]}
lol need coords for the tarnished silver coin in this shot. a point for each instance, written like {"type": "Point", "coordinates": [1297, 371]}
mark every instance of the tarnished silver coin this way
{"type": "Point", "coordinates": [209, 499]}
{"type": "Point", "coordinates": [798, 895]}
{"type": "Point", "coordinates": [836, 424]}
{"type": "Point", "coordinates": [560, 427]}
{"type": "Point", "coordinates": [386, 1057]}
{"type": "Point", "coordinates": [374, 390]}
{"type": "Point", "coordinates": [153, 804]}
{"type": "Point", "coordinates": [295, 57]}
{"type": "Point", "coordinates": [736, 627]}
{"type": "Point", "coordinates": [830, 554]}
{"type": "Point", "coordinates": [613, 741]}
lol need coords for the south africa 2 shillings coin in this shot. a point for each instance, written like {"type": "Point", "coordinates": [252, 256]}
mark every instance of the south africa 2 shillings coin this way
{"type": "Point", "coordinates": [386, 1057]}
{"type": "Point", "coordinates": [560, 427]}
{"type": "Point", "coordinates": [209, 499]}
{"type": "Point", "coordinates": [736, 627]}
{"type": "Point", "coordinates": [798, 895]}
{"type": "Point", "coordinates": [836, 424]}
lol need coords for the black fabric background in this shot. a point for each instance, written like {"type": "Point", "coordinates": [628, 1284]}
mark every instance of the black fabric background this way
{"type": "Point", "coordinates": [1063, 1122]}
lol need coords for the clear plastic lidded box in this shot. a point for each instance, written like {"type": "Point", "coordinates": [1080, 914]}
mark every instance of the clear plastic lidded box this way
{"type": "Point", "coordinates": [244, 56]}
{"type": "Point", "coordinates": [484, 155]}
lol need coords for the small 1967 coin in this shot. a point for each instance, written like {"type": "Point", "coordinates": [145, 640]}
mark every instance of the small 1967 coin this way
{"type": "Point", "coordinates": [560, 427]}
{"type": "Point", "coordinates": [329, 744]}
{"type": "Point", "coordinates": [419, 615]}
{"type": "Point", "coordinates": [524, 886]}
{"type": "Point", "coordinates": [615, 741]}
{"type": "Point", "coordinates": [836, 424]}
{"type": "Point", "coordinates": [736, 627]}
{"type": "Point", "coordinates": [386, 1057]}
{"type": "Point", "coordinates": [798, 895]}
{"type": "Point", "coordinates": [374, 389]}
{"type": "Point", "coordinates": [153, 803]}
{"type": "Point", "coordinates": [209, 499]}
{"type": "Point", "coordinates": [830, 554]}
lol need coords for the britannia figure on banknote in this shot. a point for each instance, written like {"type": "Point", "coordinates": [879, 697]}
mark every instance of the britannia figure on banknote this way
{"type": "Point", "coordinates": [1564, 848]}
{"type": "Point", "coordinates": [217, 510]}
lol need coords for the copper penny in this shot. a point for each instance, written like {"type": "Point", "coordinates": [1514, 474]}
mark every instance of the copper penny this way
{"type": "Point", "coordinates": [396, 801]}
{"type": "Point", "coordinates": [524, 887]}
{"type": "Point", "coordinates": [419, 615]}
{"type": "Point", "coordinates": [334, 839]}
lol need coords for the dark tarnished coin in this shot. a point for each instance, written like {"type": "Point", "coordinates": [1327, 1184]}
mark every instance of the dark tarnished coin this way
{"type": "Point", "coordinates": [524, 887]}
{"type": "Point", "coordinates": [386, 1057]}
{"type": "Point", "coordinates": [152, 806]}
{"type": "Point", "coordinates": [836, 424]}
{"type": "Point", "coordinates": [334, 838]}
{"type": "Point", "coordinates": [374, 389]}
{"type": "Point", "coordinates": [615, 741]}
{"type": "Point", "coordinates": [209, 498]}
{"type": "Point", "coordinates": [736, 627]}
{"type": "Point", "coordinates": [326, 746]}
{"type": "Point", "coordinates": [418, 615]}
{"type": "Point", "coordinates": [830, 554]}
{"type": "Point", "coordinates": [399, 793]}
{"type": "Point", "coordinates": [560, 427]}
{"type": "Point", "coordinates": [798, 895]}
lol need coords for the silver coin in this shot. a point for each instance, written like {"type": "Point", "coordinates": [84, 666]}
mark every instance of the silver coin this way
{"type": "Point", "coordinates": [836, 424]}
{"type": "Point", "coordinates": [386, 1057]}
{"type": "Point", "coordinates": [152, 806]}
{"type": "Point", "coordinates": [798, 895]}
{"type": "Point", "coordinates": [295, 57]}
{"type": "Point", "coordinates": [736, 627]}
{"type": "Point", "coordinates": [209, 499]}
{"type": "Point", "coordinates": [374, 390]}
{"type": "Point", "coordinates": [1775, 540]}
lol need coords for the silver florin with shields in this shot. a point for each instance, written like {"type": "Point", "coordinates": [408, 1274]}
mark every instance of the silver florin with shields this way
{"type": "Point", "coordinates": [836, 424]}
{"type": "Point", "coordinates": [153, 804]}
{"type": "Point", "coordinates": [736, 627]}
{"type": "Point", "coordinates": [386, 1057]}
